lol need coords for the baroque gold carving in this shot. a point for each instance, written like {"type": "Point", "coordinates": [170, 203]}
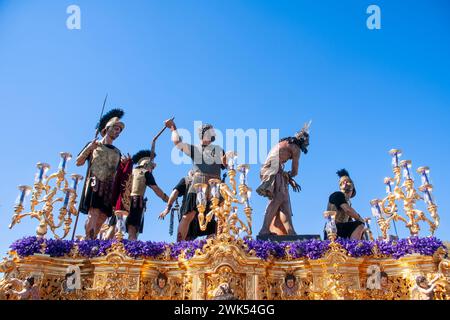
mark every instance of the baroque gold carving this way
{"type": "Point", "coordinates": [226, 275]}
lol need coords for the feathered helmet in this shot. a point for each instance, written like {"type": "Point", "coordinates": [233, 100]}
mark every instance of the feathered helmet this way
{"type": "Point", "coordinates": [109, 119]}
{"type": "Point", "coordinates": [143, 158]}
{"type": "Point", "coordinates": [344, 175]}
{"type": "Point", "coordinates": [303, 135]}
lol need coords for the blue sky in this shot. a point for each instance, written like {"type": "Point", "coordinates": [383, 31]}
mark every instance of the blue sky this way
{"type": "Point", "coordinates": [236, 64]}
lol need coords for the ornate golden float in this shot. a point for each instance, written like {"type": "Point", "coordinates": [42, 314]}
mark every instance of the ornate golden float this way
{"type": "Point", "coordinates": [231, 263]}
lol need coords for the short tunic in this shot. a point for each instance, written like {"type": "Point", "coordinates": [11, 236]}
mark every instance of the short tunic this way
{"type": "Point", "coordinates": [207, 164]}
{"type": "Point", "coordinates": [344, 223]}
{"type": "Point", "coordinates": [141, 179]}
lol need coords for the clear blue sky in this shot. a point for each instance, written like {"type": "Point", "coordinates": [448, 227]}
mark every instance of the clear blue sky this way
{"type": "Point", "coordinates": [237, 64]}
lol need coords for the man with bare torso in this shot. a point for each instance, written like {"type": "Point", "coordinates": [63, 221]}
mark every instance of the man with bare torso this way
{"type": "Point", "coordinates": [275, 183]}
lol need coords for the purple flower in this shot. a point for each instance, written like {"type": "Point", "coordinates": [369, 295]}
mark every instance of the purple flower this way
{"type": "Point", "coordinates": [315, 249]}
{"type": "Point", "coordinates": [140, 249]}
{"type": "Point", "coordinates": [357, 248]}
{"type": "Point", "coordinates": [189, 246]}
{"type": "Point", "coordinates": [311, 249]}
{"type": "Point", "coordinates": [27, 246]}
{"type": "Point", "coordinates": [93, 248]}
{"type": "Point", "coordinates": [58, 248]}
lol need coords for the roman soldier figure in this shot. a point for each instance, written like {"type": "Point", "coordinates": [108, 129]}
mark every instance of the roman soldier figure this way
{"type": "Point", "coordinates": [181, 190]}
{"type": "Point", "coordinates": [349, 223]}
{"type": "Point", "coordinates": [104, 159]}
{"type": "Point", "coordinates": [275, 183]}
{"type": "Point", "coordinates": [141, 178]}
{"type": "Point", "coordinates": [208, 161]}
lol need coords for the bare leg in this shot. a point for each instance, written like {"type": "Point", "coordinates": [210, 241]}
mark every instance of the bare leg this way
{"type": "Point", "coordinates": [286, 217]}
{"type": "Point", "coordinates": [183, 226]}
{"type": "Point", "coordinates": [357, 234]}
{"type": "Point", "coordinates": [271, 211]}
{"type": "Point", "coordinates": [132, 232]}
{"type": "Point", "coordinates": [287, 223]}
{"type": "Point", "coordinates": [277, 226]}
{"type": "Point", "coordinates": [91, 222]}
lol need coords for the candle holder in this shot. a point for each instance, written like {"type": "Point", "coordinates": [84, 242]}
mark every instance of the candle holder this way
{"type": "Point", "coordinates": [406, 166]}
{"type": "Point", "coordinates": [232, 159]}
{"type": "Point", "coordinates": [330, 227]}
{"type": "Point", "coordinates": [201, 204]}
{"type": "Point", "coordinates": [387, 209]}
{"type": "Point", "coordinates": [243, 169]}
{"type": "Point", "coordinates": [65, 157]}
{"type": "Point", "coordinates": [42, 170]}
{"type": "Point", "coordinates": [226, 211]}
{"type": "Point", "coordinates": [19, 207]}
{"type": "Point", "coordinates": [396, 154]}
{"type": "Point", "coordinates": [245, 193]}
{"type": "Point", "coordinates": [45, 195]}
{"type": "Point", "coordinates": [389, 182]}
{"type": "Point", "coordinates": [424, 173]}
{"type": "Point", "coordinates": [368, 232]}
{"type": "Point", "coordinates": [121, 216]}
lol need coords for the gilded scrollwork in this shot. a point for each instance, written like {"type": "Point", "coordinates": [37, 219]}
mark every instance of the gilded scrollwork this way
{"type": "Point", "coordinates": [111, 286]}
{"type": "Point", "coordinates": [262, 288]}
{"type": "Point", "coordinates": [225, 277]}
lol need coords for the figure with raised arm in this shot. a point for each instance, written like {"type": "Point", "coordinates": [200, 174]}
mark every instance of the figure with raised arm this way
{"type": "Point", "coordinates": [208, 161]}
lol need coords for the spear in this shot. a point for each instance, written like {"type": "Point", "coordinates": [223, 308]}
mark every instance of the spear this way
{"type": "Point", "coordinates": [88, 169]}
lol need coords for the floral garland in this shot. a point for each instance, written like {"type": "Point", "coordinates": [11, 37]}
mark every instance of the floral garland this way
{"type": "Point", "coordinates": [311, 249]}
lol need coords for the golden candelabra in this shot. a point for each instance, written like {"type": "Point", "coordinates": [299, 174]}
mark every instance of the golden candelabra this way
{"type": "Point", "coordinates": [387, 210]}
{"type": "Point", "coordinates": [224, 201]}
{"type": "Point", "coordinates": [44, 195]}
